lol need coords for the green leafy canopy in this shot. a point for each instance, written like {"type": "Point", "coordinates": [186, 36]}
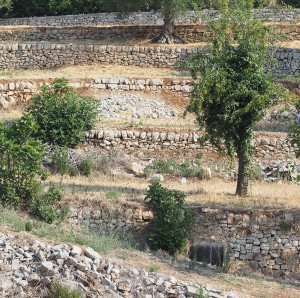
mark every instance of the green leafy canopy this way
{"type": "Point", "coordinates": [232, 86]}
{"type": "Point", "coordinates": [62, 114]}
{"type": "Point", "coordinates": [171, 224]}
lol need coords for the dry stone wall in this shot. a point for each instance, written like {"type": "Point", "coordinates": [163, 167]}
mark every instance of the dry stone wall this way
{"type": "Point", "coordinates": [191, 33]}
{"type": "Point", "coordinates": [144, 18]}
{"type": "Point", "coordinates": [16, 92]}
{"type": "Point", "coordinates": [47, 55]}
{"type": "Point", "coordinates": [266, 240]}
{"type": "Point", "coordinates": [268, 146]}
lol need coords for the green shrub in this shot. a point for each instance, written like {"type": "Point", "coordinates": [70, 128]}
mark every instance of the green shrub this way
{"type": "Point", "coordinates": [21, 159]}
{"type": "Point", "coordinates": [255, 172]}
{"type": "Point", "coordinates": [153, 268]}
{"type": "Point", "coordinates": [44, 205]}
{"type": "Point", "coordinates": [171, 223]}
{"type": "Point", "coordinates": [28, 226]}
{"type": "Point", "coordinates": [86, 166]}
{"type": "Point", "coordinates": [171, 167]}
{"type": "Point", "coordinates": [112, 194]}
{"type": "Point", "coordinates": [295, 135]}
{"type": "Point", "coordinates": [60, 160]}
{"type": "Point", "coordinates": [60, 291]}
{"type": "Point", "coordinates": [62, 115]}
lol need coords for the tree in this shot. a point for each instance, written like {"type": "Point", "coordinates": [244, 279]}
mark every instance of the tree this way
{"type": "Point", "coordinates": [234, 88]}
{"type": "Point", "coordinates": [170, 10]}
{"type": "Point", "coordinates": [62, 114]}
{"type": "Point", "coordinates": [21, 158]}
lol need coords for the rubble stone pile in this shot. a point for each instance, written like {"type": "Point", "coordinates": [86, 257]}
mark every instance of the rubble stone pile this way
{"type": "Point", "coordinates": [28, 269]}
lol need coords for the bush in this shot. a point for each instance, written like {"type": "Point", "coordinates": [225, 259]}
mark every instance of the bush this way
{"type": "Point", "coordinates": [255, 172]}
{"type": "Point", "coordinates": [62, 115]}
{"type": "Point", "coordinates": [21, 159]}
{"type": "Point", "coordinates": [182, 169]}
{"type": "Point", "coordinates": [171, 223]}
{"type": "Point", "coordinates": [86, 166]}
{"type": "Point", "coordinates": [60, 291]}
{"type": "Point", "coordinates": [60, 160]}
{"type": "Point", "coordinates": [44, 205]}
{"type": "Point", "coordinates": [295, 135]}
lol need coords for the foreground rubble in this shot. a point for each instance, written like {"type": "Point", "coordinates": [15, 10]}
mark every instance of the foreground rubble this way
{"type": "Point", "coordinates": [28, 268]}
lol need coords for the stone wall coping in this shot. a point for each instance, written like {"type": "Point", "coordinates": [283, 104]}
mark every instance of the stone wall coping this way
{"type": "Point", "coordinates": [269, 14]}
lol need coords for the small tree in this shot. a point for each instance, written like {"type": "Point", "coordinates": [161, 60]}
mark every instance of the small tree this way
{"type": "Point", "coordinates": [234, 88]}
{"type": "Point", "coordinates": [171, 224]}
{"type": "Point", "coordinates": [62, 115]}
{"type": "Point", "coordinates": [21, 159]}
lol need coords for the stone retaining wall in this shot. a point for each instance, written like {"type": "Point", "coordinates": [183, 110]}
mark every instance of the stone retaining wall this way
{"type": "Point", "coordinates": [15, 92]}
{"type": "Point", "coordinates": [144, 18]}
{"type": "Point", "coordinates": [266, 240]}
{"type": "Point", "coordinates": [266, 146]}
{"type": "Point", "coordinates": [46, 55]}
{"type": "Point", "coordinates": [191, 33]}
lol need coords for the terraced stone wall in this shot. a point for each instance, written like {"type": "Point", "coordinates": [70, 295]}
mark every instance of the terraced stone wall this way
{"type": "Point", "coordinates": [266, 240]}
{"type": "Point", "coordinates": [15, 92]}
{"type": "Point", "coordinates": [144, 18]}
{"type": "Point", "coordinates": [191, 33]}
{"type": "Point", "coordinates": [266, 146]}
{"type": "Point", "coordinates": [45, 55]}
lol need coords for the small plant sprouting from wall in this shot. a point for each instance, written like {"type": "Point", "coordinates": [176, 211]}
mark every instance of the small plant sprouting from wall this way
{"type": "Point", "coordinates": [285, 227]}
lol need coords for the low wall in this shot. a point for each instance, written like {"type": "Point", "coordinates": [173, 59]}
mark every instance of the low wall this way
{"type": "Point", "coordinates": [46, 55]}
{"type": "Point", "coordinates": [20, 92]}
{"type": "Point", "coordinates": [266, 146]}
{"type": "Point", "coordinates": [145, 18]}
{"type": "Point", "coordinates": [191, 33]}
{"type": "Point", "coordinates": [266, 240]}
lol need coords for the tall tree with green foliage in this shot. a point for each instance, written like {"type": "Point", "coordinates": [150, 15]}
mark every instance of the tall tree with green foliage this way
{"type": "Point", "coordinates": [232, 88]}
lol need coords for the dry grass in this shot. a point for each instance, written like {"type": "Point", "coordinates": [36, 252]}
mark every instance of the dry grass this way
{"type": "Point", "coordinates": [91, 71]}
{"type": "Point", "coordinates": [11, 115]}
{"type": "Point", "coordinates": [215, 192]}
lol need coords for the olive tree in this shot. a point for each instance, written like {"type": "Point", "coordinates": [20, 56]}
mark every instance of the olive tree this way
{"type": "Point", "coordinates": [232, 87]}
{"type": "Point", "coordinates": [170, 10]}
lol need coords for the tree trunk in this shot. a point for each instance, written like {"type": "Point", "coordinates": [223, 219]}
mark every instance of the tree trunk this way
{"type": "Point", "coordinates": [168, 33]}
{"type": "Point", "coordinates": [244, 158]}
